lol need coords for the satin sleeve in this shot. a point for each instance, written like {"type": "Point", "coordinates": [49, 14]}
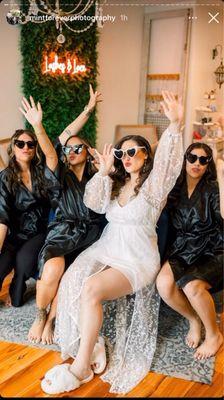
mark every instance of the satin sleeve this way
{"type": "Point", "coordinates": [166, 169]}
{"type": "Point", "coordinates": [6, 202]}
{"type": "Point", "coordinates": [215, 204]}
{"type": "Point", "coordinates": [58, 148]}
{"type": "Point", "coordinates": [98, 193]}
{"type": "Point", "coordinates": [53, 185]}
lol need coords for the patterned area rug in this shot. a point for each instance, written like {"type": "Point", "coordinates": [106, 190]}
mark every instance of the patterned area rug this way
{"type": "Point", "coordinates": [172, 356]}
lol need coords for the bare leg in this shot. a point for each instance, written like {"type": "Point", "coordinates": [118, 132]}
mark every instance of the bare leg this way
{"type": "Point", "coordinates": [47, 288]}
{"type": "Point", "coordinates": [202, 302]}
{"type": "Point", "coordinates": [107, 285]}
{"type": "Point", "coordinates": [48, 333]}
{"type": "Point", "coordinates": [177, 300]}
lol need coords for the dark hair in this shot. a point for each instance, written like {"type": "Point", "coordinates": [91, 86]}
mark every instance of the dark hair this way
{"type": "Point", "coordinates": [119, 175]}
{"type": "Point", "coordinates": [90, 168]}
{"type": "Point", "coordinates": [210, 174]}
{"type": "Point", "coordinates": [36, 164]}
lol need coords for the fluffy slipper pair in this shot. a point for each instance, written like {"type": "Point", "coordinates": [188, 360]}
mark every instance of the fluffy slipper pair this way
{"type": "Point", "coordinates": [60, 379]}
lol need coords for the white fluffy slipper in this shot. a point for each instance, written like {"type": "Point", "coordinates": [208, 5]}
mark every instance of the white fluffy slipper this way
{"type": "Point", "coordinates": [54, 371]}
{"type": "Point", "coordinates": [60, 379]}
{"type": "Point", "coordinates": [99, 356]}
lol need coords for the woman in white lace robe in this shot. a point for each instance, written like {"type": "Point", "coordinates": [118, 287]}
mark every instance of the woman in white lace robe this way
{"type": "Point", "coordinates": [110, 287]}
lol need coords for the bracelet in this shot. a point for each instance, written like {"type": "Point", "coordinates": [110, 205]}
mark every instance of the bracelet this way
{"type": "Point", "coordinates": [38, 130]}
{"type": "Point", "coordinates": [69, 133]}
{"type": "Point", "coordinates": [88, 111]}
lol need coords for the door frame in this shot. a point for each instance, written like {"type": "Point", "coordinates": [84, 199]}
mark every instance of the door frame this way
{"type": "Point", "coordinates": [149, 17]}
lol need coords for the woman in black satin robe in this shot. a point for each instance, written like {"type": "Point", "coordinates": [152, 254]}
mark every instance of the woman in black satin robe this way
{"type": "Point", "coordinates": [28, 189]}
{"type": "Point", "coordinates": [195, 263]}
{"type": "Point", "coordinates": [74, 227]}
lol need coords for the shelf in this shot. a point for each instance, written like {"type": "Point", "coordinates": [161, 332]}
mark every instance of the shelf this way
{"type": "Point", "coordinates": [215, 139]}
{"type": "Point", "coordinates": [205, 124]}
{"type": "Point", "coordinates": [204, 109]}
{"type": "Point", "coordinates": [156, 96]}
{"type": "Point", "coordinates": [165, 77]}
{"type": "Point", "coordinates": [215, 143]}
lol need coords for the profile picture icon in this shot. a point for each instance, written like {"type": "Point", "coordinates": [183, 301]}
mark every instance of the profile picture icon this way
{"type": "Point", "coordinates": [13, 17]}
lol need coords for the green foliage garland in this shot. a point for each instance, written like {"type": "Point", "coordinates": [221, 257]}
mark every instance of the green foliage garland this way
{"type": "Point", "coordinates": [62, 97]}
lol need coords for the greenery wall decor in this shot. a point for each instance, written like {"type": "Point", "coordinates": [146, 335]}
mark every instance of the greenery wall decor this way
{"type": "Point", "coordinates": [62, 97]}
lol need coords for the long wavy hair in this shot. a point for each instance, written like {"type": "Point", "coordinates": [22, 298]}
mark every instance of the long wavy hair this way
{"type": "Point", "coordinates": [120, 176]}
{"type": "Point", "coordinates": [90, 168]}
{"type": "Point", "coordinates": [210, 174]}
{"type": "Point", "coordinates": [36, 164]}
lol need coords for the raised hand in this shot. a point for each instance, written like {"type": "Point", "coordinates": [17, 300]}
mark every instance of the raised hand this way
{"type": "Point", "coordinates": [106, 160]}
{"type": "Point", "coordinates": [95, 161]}
{"type": "Point", "coordinates": [172, 108]}
{"type": "Point", "coordinates": [94, 98]}
{"type": "Point", "coordinates": [32, 112]}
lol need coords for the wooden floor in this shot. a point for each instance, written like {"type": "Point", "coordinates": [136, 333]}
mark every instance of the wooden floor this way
{"type": "Point", "coordinates": [23, 367]}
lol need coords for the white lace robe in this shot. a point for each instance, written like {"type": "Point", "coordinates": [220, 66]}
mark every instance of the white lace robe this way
{"type": "Point", "coordinates": [129, 244]}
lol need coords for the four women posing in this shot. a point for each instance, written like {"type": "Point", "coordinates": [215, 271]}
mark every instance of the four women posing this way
{"type": "Point", "coordinates": [110, 289]}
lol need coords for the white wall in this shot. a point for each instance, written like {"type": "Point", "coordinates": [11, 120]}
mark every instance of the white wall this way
{"type": "Point", "coordinates": [201, 69]}
{"type": "Point", "coordinates": [159, 61]}
{"type": "Point", "coordinates": [119, 70]}
{"type": "Point", "coordinates": [10, 77]}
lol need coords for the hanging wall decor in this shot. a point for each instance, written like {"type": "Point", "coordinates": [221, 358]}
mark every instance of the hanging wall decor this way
{"type": "Point", "coordinates": [65, 64]}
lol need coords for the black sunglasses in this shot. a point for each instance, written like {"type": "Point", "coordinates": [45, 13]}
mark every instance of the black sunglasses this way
{"type": "Point", "coordinates": [203, 160]}
{"type": "Point", "coordinates": [77, 148]}
{"type": "Point", "coordinates": [31, 144]}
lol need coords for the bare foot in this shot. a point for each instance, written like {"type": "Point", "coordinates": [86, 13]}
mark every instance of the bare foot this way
{"type": "Point", "coordinates": [209, 347]}
{"type": "Point", "coordinates": [80, 372]}
{"type": "Point", "coordinates": [8, 302]}
{"type": "Point", "coordinates": [98, 359]}
{"type": "Point", "coordinates": [48, 332]}
{"type": "Point", "coordinates": [37, 328]}
{"type": "Point", "coordinates": [194, 334]}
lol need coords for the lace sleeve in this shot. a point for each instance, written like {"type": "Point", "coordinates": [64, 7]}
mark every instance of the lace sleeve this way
{"type": "Point", "coordinates": [98, 192]}
{"type": "Point", "coordinates": [166, 168]}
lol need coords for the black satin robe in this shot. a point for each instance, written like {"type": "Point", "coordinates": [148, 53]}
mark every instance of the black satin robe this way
{"type": "Point", "coordinates": [197, 250]}
{"type": "Point", "coordinates": [24, 212]}
{"type": "Point", "coordinates": [75, 227]}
